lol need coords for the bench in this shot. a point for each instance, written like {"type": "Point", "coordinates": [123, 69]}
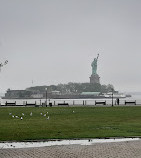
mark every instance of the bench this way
{"type": "Point", "coordinates": [130, 102]}
{"type": "Point", "coordinates": [13, 103]}
{"type": "Point", "coordinates": [63, 104]}
{"type": "Point", "coordinates": [50, 104]}
{"type": "Point", "coordinates": [100, 102]}
{"type": "Point", "coordinates": [30, 103]}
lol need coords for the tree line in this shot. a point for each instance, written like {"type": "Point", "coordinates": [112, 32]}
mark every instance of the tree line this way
{"type": "Point", "coordinates": [74, 88]}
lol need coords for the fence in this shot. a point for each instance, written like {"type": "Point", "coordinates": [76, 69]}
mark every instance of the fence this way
{"type": "Point", "coordinates": [71, 102]}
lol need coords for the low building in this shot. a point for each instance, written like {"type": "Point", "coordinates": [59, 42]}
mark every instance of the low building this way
{"type": "Point", "coordinates": [37, 96]}
{"type": "Point", "coordinates": [91, 93]}
{"type": "Point", "coordinates": [15, 94]}
{"type": "Point", "coordinates": [22, 94]}
{"type": "Point", "coordinates": [55, 92]}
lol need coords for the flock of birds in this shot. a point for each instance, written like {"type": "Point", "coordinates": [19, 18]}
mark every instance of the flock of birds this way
{"type": "Point", "coordinates": [45, 115]}
{"type": "Point", "coordinates": [21, 117]}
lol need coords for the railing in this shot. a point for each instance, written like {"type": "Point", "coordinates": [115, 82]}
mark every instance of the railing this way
{"type": "Point", "coordinates": [70, 102]}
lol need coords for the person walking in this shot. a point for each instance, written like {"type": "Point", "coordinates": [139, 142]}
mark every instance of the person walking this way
{"type": "Point", "coordinates": [117, 101]}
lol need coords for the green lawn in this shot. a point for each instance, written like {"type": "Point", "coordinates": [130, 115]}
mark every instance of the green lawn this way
{"type": "Point", "coordinates": [85, 122]}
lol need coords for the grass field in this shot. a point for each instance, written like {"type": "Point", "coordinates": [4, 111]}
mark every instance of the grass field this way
{"type": "Point", "coordinates": [69, 122]}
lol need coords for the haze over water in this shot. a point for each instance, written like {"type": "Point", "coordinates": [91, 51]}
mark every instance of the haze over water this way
{"type": "Point", "coordinates": [51, 42]}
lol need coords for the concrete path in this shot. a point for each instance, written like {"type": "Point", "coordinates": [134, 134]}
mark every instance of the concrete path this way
{"type": "Point", "coordinates": [131, 149]}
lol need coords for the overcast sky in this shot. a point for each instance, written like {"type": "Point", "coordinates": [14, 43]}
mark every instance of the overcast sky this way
{"type": "Point", "coordinates": [55, 41]}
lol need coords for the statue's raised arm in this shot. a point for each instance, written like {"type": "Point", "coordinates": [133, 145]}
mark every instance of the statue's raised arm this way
{"type": "Point", "coordinates": [97, 56]}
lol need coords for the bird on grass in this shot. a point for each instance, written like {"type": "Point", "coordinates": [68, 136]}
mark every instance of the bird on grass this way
{"type": "Point", "coordinates": [13, 116]}
{"type": "Point", "coordinates": [44, 114]}
{"type": "Point", "coordinates": [21, 118]}
{"type": "Point", "coordinates": [10, 113]}
{"type": "Point", "coordinates": [31, 114]}
{"type": "Point", "coordinates": [41, 113]}
{"type": "Point", "coordinates": [48, 118]}
{"type": "Point", "coordinates": [17, 116]}
{"type": "Point", "coordinates": [23, 114]}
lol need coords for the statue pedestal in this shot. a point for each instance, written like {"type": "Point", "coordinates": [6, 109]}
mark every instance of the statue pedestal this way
{"type": "Point", "coordinates": [94, 78]}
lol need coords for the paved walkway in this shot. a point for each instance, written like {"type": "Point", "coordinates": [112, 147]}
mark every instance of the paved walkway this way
{"type": "Point", "coordinates": [131, 149]}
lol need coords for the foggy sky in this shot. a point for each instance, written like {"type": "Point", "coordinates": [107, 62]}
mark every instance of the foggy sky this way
{"type": "Point", "coordinates": [55, 41]}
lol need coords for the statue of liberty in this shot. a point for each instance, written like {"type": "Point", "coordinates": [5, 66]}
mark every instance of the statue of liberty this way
{"type": "Point", "coordinates": [94, 65]}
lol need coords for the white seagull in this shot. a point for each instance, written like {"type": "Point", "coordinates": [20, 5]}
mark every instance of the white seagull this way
{"type": "Point", "coordinates": [48, 118]}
